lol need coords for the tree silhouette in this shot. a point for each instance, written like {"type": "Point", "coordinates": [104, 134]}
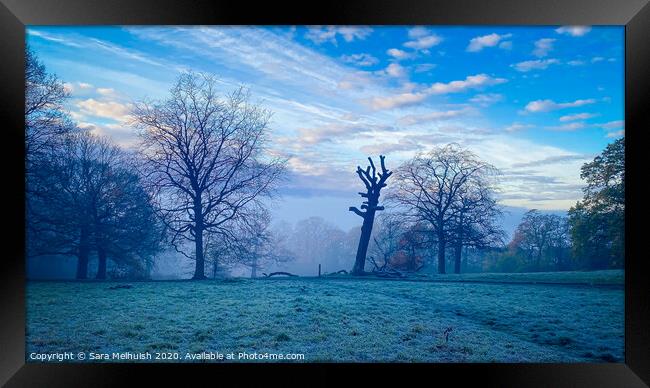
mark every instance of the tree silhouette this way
{"type": "Point", "coordinates": [204, 158]}
{"type": "Point", "coordinates": [374, 182]}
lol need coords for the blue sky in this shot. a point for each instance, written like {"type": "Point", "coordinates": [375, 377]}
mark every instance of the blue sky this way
{"type": "Point", "coordinates": [537, 102]}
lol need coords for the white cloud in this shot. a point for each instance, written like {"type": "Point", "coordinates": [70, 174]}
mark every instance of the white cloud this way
{"type": "Point", "coordinates": [577, 116]}
{"type": "Point", "coordinates": [395, 100]}
{"type": "Point", "coordinates": [514, 127]}
{"type": "Point", "coordinates": [360, 59]}
{"type": "Point", "coordinates": [387, 148]}
{"type": "Point", "coordinates": [432, 116]}
{"type": "Point", "coordinates": [543, 46]}
{"type": "Point", "coordinates": [424, 67]}
{"type": "Point", "coordinates": [105, 109]}
{"type": "Point", "coordinates": [597, 59]}
{"type": "Point", "coordinates": [573, 30]}
{"type": "Point", "coordinates": [549, 105]}
{"type": "Point", "coordinates": [399, 54]}
{"type": "Point", "coordinates": [471, 82]}
{"type": "Point", "coordinates": [418, 32]}
{"type": "Point", "coordinates": [106, 91]}
{"type": "Point", "coordinates": [537, 64]}
{"type": "Point", "coordinates": [486, 99]}
{"type": "Point", "coordinates": [506, 45]}
{"type": "Point", "coordinates": [618, 133]}
{"type": "Point", "coordinates": [395, 70]}
{"type": "Point", "coordinates": [576, 62]}
{"type": "Point", "coordinates": [612, 124]}
{"type": "Point", "coordinates": [411, 98]}
{"type": "Point", "coordinates": [330, 131]}
{"type": "Point", "coordinates": [68, 87]}
{"type": "Point", "coordinates": [480, 42]}
{"type": "Point", "coordinates": [568, 127]}
{"type": "Point", "coordinates": [322, 34]}
{"type": "Point", "coordinates": [422, 39]}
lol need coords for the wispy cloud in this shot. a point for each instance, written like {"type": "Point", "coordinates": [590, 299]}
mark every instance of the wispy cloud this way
{"type": "Point", "coordinates": [612, 124]}
{"type": "Point", "coordinates": [362, 59]}
{"type": "Point", "coordinates": [395, 100]}
{"type": "Point", "coordinates": [614, 134]}
{"type": "Point", "coordinates": [514, 127]}
{"type": "Point", "coordinates": [388, 148]}
{"type": "Point", "coordinates": [578, 116]}
{"type": "Point", "coordinates": [568, 127]}
{"type": "Point", "coordinates": [554, 160]}
{"type": "Point", "coordinates": [537, 64]}
{"type": "Point", "coordinates": [549, 105]}
{"type": "Point", "coordinates": [391, 101]}
{"type": "Point", "coordinates": [433, 116]}
{"type": "Point", "coordinates": [486, 99]}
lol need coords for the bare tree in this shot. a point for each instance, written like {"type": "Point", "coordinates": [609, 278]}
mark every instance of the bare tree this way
{"type": "Point", "coordinates": [45, 118]}
{"type": "Point", "coordinates": [429, 187]}
{"type": "Point", "coordinates": [373, 182]}
{"type": "Point", "coordinates": [204, 157]}
{"type": "Point", "coordinates": [386, 240]}
{"type": "Point", "coordinates": [476, 212]}
{"type": "Point", "coordinates": [86, 200]}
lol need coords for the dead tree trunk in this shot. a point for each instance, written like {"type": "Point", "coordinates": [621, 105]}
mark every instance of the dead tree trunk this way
{"type": "Point", "coordinates": [374, 183]}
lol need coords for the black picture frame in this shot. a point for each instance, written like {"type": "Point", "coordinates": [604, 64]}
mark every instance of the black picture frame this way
{"type": "Point", "coordinates": [633, 14]}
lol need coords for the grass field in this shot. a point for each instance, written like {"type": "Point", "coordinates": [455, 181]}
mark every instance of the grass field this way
{"type": "Point", "coordinates": [340, 319]}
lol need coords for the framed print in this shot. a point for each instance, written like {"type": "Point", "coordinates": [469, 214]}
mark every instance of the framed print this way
{"type": "Point", "coordinates": [369, 188]}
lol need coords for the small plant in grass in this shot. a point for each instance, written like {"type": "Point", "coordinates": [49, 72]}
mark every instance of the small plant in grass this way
{"type": "Point", "coordinates": [282, 337]}
{"type": "Point", "coordinates": [445, 337]}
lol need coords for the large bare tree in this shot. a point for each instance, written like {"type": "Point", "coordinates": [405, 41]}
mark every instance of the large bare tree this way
{"type": "Point", "coordinates": [429, 187]}
{"type": "Point", "coordinates": [373, 182]}
{"type": "Point", "coordinates": [204, 155]}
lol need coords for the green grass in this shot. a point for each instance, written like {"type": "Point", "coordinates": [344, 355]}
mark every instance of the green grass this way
{"type": "Point", "coordinates": [333, 320]}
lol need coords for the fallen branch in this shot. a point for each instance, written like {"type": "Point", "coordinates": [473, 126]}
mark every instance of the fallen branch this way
{"type": "Point", "coordinates": [279, 273]}
{"type": "Point", "coordinates": [120, 286]}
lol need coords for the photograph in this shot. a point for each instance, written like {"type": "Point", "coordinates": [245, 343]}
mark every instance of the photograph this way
{"type": "Point", "coordinates": [325, 194]}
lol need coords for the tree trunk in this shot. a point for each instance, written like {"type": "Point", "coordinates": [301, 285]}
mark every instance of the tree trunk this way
{"type": "Point", "coordinates": [199, 271]}
{"type": "Point", "coordinates": [465, 260]}
{"type": "Point", "coordinates": [441, 253]}
{"type": "Point", "coordinates": [364, 240]}
{"type": "Point", "coordinates": [101, 263]}
{"type": "Point", "coordinates": [84, 251]}
{"type": "Point", "coordinates": [254, 268]}
{"type": "Point", "coordinates": [458, 250]}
